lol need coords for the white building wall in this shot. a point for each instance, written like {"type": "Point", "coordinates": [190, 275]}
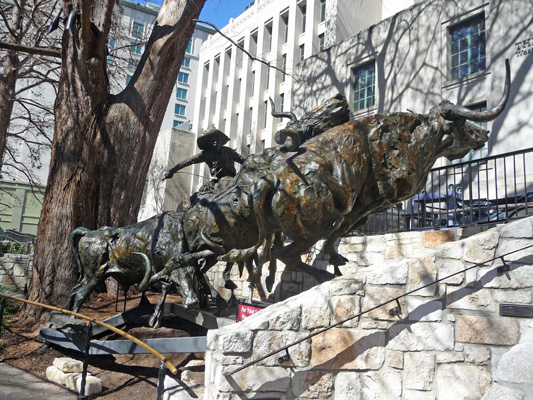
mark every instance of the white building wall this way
{"type": "Point", "coordinates": [236, 90]}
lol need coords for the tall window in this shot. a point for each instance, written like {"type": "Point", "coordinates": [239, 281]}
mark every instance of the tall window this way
{"type": "Point", "coordinates": [364, 86]}
{"type": "Point", "coordinates": [302, 52]}
{"type": "Point", "coordinates": [303, 12]}
{"type": "Point", "coordinates": [281, 101]}
{"type": "Point", "coordinates": [183, 77]}
{"type": "Point", "coordinates": [186, 62]}
{"type": "Point", "coordinates": [321, 42]}
{"type": "Point", "coordinates": [110, 46]}
{"type": "Point", "coordinates": [467, 47]}
{"type": "Point", "coordinates": [181, 93]}
{"type": "Point", "coordinates": [137, 30]}
{"type": "Point", "coordinates": [253, 83]}
{"type": "Point", "coordinates": [128, 79]}
{"type": "Point", "coordinates": [285, 27]}
{"type": "Point", "coordinates": [322, 10]}
{"type": "Point", "coordinates": [189, 47]}
{"type": "Point", "coordinates": [283, 66]}
{"type": "Point", "coordinates": [179, 109]}
{"type": "Point", "coordinates": [268, 37]}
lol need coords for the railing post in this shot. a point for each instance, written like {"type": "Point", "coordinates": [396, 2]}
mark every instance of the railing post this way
{"type": "Point", "coordinates": [161, 380]}
{"type": "Point", "coordinates": [85, 362]}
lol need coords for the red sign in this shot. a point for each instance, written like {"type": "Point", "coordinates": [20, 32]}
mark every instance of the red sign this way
{"type": "Point", "coordinates": [245, 310]}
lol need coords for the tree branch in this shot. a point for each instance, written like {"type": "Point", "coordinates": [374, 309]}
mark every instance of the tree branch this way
{"type": "Point", "coordinates": [31, 50]}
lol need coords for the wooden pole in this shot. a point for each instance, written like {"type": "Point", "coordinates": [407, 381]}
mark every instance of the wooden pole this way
{"type": "Point", "coordinates": [138, 342]}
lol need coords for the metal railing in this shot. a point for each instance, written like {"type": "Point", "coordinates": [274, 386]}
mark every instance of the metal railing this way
{"type": "Point", "coordinates": [489, 190]}
{"type": "Point", "coordinates": [11, 235]}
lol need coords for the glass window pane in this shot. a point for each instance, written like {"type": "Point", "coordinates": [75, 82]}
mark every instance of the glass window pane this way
{"type": "Point", "coordinates": [467, 47]}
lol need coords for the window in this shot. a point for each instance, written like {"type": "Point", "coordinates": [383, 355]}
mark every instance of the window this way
{"type": "Point", "coordinates": [268, 37]}
{"type": "Point", "coordinates": [281, 101]}
{"type": "Point", "coordinates": [128, 79]}
{"type": "Point", "coordinates": [189, 47]}
{"type": "Point", "coordinates": [137, 30]}
{"type": "Point", "coordinates": [135, 48]}
{"type": "Point", "coordinates": [251, 113]}
{"type": "Point", "coordinates": [322, 10]}
{"type": "Point", "coordinates": [285, 27]}
{"type": "Point", "coordinates": [321, 42]}
{"type": "Point", "coordinates": [181, 93]}
{"type": "Point", "coordinates": [302, 52]}
{"type": "Point", "coordinates": [303, 12]}
{"type": "Point", "coordinates": [176, 123]}
{"type": "Point", "coordinates": [133, 62]}
{"type": "Point", "coordinates": [283, 66]}
{"type": "Point", "coordinates": [179, 109]}
{"type": "Point", "coordinates": [186, 62]}
{"type": "Point", "coordinates": [364, 86]}
{"type": "Point", "coordinates": [253, 83]}
{"type": "Point", "coordinates": [265, 113]}
{"type": "Point", "coordinates": [267, 77]}
{"type": "Point", "coordinates": [467, 47]}
{"type": "Point", "coordinates": [110, 46]}
{"type": "Point", "coordinates": [183, 77]}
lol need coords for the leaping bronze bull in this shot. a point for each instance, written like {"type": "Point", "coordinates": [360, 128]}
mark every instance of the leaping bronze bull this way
{"type": "Point", "coordinates": [329, 185]}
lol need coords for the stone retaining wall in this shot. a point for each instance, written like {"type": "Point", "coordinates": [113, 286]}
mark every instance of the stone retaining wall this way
{"type": "Point", "coordinates": [449, 342]}
{"type": "Point", "coordinates": [15, 271]}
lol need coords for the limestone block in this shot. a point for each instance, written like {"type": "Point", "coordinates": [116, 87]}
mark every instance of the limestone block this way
{"type": "Point", "coordinates": [238, 342]}
{"type": "Point", "coordinates": [515, 296]}
{"type": "Point", "coordinates": [519, 277]}
{"type": "Point", "coordinates": [499, 392]}
{"type": "Point", "coordinates": [508, 245]}
{"type": "Point", "coordinates": [381, 385]}
{"type": "Point", "coordinates": [372, 259]}
{"type": "Point", "coordinates": [420, 309]}
{"type": "Point", "coordinates": [447, 357]}
{"type": "Point", "coordinates": [266, 342]}
{"type": "Point", "coordinates": [526, 331]}
{"type": "Point", "coordinates": [451, 250]}
{"type": "Point", "coordinates": [375, 244]}
{"type": "Point", "coordinates": [423, 271]}
{"type": "Point", "coordinates": [478, 355]}
{"type": "Point", "coordinates": [341, 286]}
{"type": "Point", "coordinates": [435, 238]}
{"type": "Point", "coordinates": [470, 299]}
{"type": "Point", "coordinates": [72, 379]}
{"type": "Point", "coordinates": [314, 317]}
{"type": "Point", "coordinates": [93, 385]}
{"type": "Point", "coordinates": [348, 385]}
{"type": "Point", "coordinates": [461, 381]}
{"type": "Point", "coordinates": [19, 270]}
{"type": "Point", "coordinates": [516, 366]}
{"type": "Point", "coordinates": [480, 248]}
{"type": "Point", "coordinates": [371, 324]}
{"type": "Point", "coordinates": [483, 330]}
{"type": "Point", "coordinates": [176, 390]}
{"type": "Point", "coordinates": [421, 336]}
{"type": "Point", "coordinates": [67, 364]}
{"type": "Point", "coordinates": [54, 374]}
{"type": "Point", "coordinates": [266, 379]}
{"type": "Point", "coordinates": [344, 307]}
{"type": "Point", "coordinates": [376, 295]}
{"type": "Point", "coordinates": [231, 360]}
{"type": "Point", "coordinates": [394, 359]}
{"type": "Point", "coordinates": [418, 395]}
{"type": "Point", "coordinates": [399, 250]}
{"type": "Point", "coordinates": [348, 349]}
{"type": "Point", "coordinates": [312, 385]}
{"type": "Point", "coordinates": [389, 273]}
{"type": "Point", "coordinates": [449, 266]}
{"type": "Point", "coordinates": [519, 229]}
{"type": "Point", "coordinates": [419, 370]}
{"type": "Point", "coordinates": [350, 248]}
{"type": "Point", "coordinates": [286, 319]}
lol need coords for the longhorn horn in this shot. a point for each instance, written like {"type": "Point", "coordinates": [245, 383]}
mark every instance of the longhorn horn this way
{"type": "Point", "coordinates": [451, 111]}
{"type": "Point", "coordinates": [280, 114]}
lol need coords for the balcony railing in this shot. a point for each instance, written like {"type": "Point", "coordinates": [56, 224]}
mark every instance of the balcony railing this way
{"type": "Point", "coordinates": [483, 191]}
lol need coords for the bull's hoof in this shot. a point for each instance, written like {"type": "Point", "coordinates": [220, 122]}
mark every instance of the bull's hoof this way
{"type": "Point", "coordinates": [221, 303]}
{"type": "Point", "coordinates": [154, 322]}
{"type": "Point", "coordinates": [336, 259]}
{"type": "Point", "coordinates": [190, 306]}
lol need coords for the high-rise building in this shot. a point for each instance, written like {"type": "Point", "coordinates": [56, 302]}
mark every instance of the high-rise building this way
{"type": "Point", "coordinates": [235, 85]}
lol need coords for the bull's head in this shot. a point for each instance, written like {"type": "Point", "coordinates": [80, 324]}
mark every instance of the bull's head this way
{"type": "Point", "coordinates": [405, 146]}
{"type": "Point", "coordinates": [460, 136]}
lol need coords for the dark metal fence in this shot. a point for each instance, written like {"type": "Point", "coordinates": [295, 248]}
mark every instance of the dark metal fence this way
{"type": "Point", "coordinates": [11, 235]}
{"type": "Point", "coordinates": [483, 191]}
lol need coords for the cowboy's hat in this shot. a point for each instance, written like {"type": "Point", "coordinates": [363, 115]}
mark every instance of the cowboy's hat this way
{"type": "Point", "coordinates": [210, 134]}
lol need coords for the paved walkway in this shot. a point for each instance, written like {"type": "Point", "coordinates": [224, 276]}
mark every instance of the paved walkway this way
{"type": "Point", "coordinates": [19, 385]}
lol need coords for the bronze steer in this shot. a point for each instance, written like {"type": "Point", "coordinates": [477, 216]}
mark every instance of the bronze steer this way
{"type": "Point", "coordinates": [322, 191]}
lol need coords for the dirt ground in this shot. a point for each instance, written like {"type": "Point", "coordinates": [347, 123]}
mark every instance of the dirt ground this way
{"type": "Point", "coordinates": [131, 377]}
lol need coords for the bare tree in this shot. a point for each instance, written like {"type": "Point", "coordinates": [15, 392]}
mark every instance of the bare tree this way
{"type": "Point", "coordinates": [29, 75]}
{"type": "Point", "coordinates": [103, 142]}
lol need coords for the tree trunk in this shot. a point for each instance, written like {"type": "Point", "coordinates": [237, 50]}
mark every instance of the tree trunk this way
{"type": "Point", "coordinates": [102, 144]}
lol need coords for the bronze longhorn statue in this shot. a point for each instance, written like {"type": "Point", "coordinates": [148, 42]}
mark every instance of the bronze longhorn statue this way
{"type": "Point", "coordinates": [332, 183]}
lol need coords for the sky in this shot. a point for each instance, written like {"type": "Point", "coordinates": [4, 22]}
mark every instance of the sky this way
{"type": "Point", "coordinates": [218, 12]}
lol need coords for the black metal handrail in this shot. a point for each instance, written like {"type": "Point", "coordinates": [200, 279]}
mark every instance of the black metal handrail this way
{"type": "Point", "coordinates": [488, 190]}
